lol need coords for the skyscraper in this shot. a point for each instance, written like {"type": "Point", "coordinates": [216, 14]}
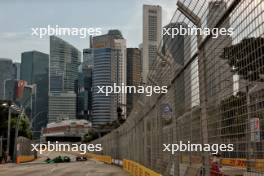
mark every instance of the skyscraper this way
{"type": "Point", "coordinates": [178, 49]}
{"type": "Point", "coordinates": [6, 73]}
{"type": "Point", "coordinates": [112, 48]}
{"type": "Point", "coordinates": [64, 62]}
{"type": "Point", "coordinates": [16, 71]}
{"type": "Point", "coordinates": [10, 85]}
{"type": "Point", "coordinates": [87, 71]}
{"type": "Point", "coordinates": [114, 40]}
{"type": "Point", "coordinates": [81, 105]}
{"type": "Point", "coordinates": [151, 36]}
{"type": "Point", "coordinates": [215, 74]}
{"type": "Point", "coordinates": [88, 57]}
{"type": "Point", "coordinates": [103, 107]}
{"type": "Point", "coordinates": [219, 78]}
{"type": "Point", "coordinates": [35, 70]}
{"type": "Point", "coordinates": [33, 64]}
{"type": "Point", "coordinates": [10, 89]}
{"type": "Point", "coordinates": [133, 74]}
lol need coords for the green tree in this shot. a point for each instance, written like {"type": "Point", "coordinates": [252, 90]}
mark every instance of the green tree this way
{"type": "Point", "coordinates": [90, 136]}
{"type": "Point", "coordinates": [246, 58]}
{"type": "Point", "coordinates": [24, 127]}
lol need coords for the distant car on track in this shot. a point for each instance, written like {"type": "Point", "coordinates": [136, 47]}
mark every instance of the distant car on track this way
{"type": "Point", "coordinates": [81, 158]}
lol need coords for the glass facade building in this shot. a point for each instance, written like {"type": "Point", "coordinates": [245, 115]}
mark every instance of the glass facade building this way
{"type": "Point", "coordinates": [16, 71]}
{"type": "Point", "coordinates": [112, 47]}
{"type": "Point", "coordinates": [10, 89]}
{"type": "Point", "coordinates": [6, 73]}
{"type": "Point", "coordinates": [133, 74]}
{"type": "Point", "coordinates": [34, 69]}
{"type": "Point", "coordinates": [64, 63]}
{"type": "Point", "coordinates": [103, 107]}
{"type": "Point", "coordinates": [84, 86]}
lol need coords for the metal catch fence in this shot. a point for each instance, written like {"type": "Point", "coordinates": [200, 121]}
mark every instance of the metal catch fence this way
{"type": "Point", "coordinates": [215, 95]}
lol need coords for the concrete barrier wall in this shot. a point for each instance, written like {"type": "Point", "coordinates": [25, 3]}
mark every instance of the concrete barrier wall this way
{"type": "Point", "coordinates": [24, 153]}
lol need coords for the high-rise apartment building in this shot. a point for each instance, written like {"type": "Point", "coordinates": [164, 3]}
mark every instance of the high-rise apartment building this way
{"type": "Point", "coordinates": [133, 74]}
{"type": "Point", "coordinates": [64, 63]}
{"type": "Point", "coordinates": [34, 69]}
{"type": "Point", "coordinates": [152, 25]}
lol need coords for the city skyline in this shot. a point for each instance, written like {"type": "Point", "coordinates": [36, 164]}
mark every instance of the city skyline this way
{"type": "Point", "coordinates": [19, 36]}
{"type": "Point", "coordinates": [176, 97]}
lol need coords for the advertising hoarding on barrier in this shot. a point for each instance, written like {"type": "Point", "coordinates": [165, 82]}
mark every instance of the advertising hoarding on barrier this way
{"type": "Point", "coordinates": [254, 130]}
{"type": "Point", "coordinates": [166, 113]}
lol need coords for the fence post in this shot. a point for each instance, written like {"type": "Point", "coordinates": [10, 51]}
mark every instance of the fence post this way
{"type": "Point", "coordinates": [1, 146]}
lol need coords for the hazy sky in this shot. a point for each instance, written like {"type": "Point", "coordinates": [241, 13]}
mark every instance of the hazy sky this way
{"type": "Point", "coordinates": [17, 17]}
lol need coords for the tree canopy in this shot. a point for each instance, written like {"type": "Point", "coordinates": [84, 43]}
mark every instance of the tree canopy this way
{"type": "Point", "coordinates": [24, 127]}
{"type": "Point", "coordinates": [247, 58]}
